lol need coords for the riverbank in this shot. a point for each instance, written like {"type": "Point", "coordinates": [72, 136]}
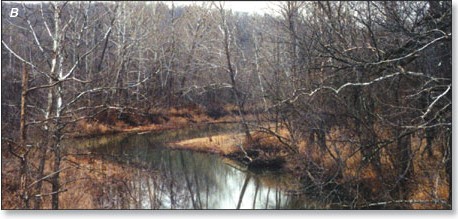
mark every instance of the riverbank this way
{"type": "Point", "coordinates": [263, 153]}
{"type": "Point", "coordinates": [224, 144]}
{"type": "Point", "coordinates": [112, 121]}
{"type": "Point", "coordinates": [311, 166]}
{"type": "Point", "coordinates": [336, 164]}
{"type": "Point", "coordinates": [340, 164]}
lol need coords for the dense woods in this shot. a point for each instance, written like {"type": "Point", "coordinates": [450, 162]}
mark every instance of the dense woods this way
{"type": "Point", "coordinates": [355, 97]}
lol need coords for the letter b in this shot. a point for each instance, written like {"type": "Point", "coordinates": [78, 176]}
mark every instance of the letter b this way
{"type": "Point", "coordinates": [14, 12]}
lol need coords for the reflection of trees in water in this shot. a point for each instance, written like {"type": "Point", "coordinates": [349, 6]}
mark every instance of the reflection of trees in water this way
{"type": "Point", "coordinates": [181, 180]}
{"type": "Point", "coordinates": [186, 180]}
{"type": "Point", "coordinates": [190, 178]}
{"type": "Point", "coordinates": [242, 193]}
{"type": "Point", "coordinates": [123, 145]}
{"type": "Point", "coordinates": [172, 179]}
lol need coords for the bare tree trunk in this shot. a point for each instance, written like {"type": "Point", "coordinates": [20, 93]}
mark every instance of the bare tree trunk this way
{"type": "Point", "coordinates": [99, 66]}
{"type": "Point", "coordinates": [404, 152]}
{"type": "Point", "coordinates": [41, 167]}
{"type": "Point", "coordinates": [22, 139]}
{"type": "Point", "coordinates": [256, 56]}
{"type": "Point", "coordinates": [405, 164]}
{"type": "Point", "coordinates": [55, 178]}
{"type": "Point", "coordinates": [56, 100]}
{"type": "Point", "coordinates": [232, 75]}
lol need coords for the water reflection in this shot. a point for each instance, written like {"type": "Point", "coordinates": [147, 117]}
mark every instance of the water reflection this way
{"type": "Point", "coordinates": [176, 179]}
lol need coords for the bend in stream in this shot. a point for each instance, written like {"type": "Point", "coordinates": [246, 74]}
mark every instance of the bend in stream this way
{"type": "Point", "coordinates": [179, 179]}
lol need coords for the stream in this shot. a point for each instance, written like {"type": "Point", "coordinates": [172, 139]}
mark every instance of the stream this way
{"type": "Point", "coordinates": [183, 179]}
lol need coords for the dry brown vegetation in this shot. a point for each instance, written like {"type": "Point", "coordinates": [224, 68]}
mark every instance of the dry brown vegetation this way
{"type": "Point", "coordinates": [85, 182]}
{"type": "Point", "coordinates": [429, 181]}
{"type": "Point", "coordinates": [427, 184]}
{"type": "Point", "coordinates": [84, 177]}
{"type": "Point", "coordinates": [114, 121]}
{"type": "Point", "coordinates": [221, 144]}
{"type": "Point", "coordinates": [361, 91]}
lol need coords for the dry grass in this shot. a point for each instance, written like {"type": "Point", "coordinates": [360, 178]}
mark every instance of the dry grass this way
{"type": "Point", "coordinates": [184, 110]}
{"type": "Point", "coordinates": [84, 181]}
{"type": "Point", "coordinates": [231, 108]}
{"type": "Point", "coordinates": [179, 120]}
{"type": "Point", "coordinates": [220, 144]}
{"type": "Point", "coordinates": [265, 141]}
{"type": "Point", "coordinates": [429, 181]}
{"type": "Point", "coordinates": [226, 144]}
{"type": "Point", "coordinates": [165, 119]}
{"type": "Point", "coordinates": [92, 128]}
{"type": "Point", "coordinates": [10, 181]}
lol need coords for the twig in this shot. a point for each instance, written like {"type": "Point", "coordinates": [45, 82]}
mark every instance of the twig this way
{"type": "Point", "coordinates": [52, 193]}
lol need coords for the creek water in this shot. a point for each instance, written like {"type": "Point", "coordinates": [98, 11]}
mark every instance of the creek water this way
{"type": "Point", "coordinates": [179, 179]}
